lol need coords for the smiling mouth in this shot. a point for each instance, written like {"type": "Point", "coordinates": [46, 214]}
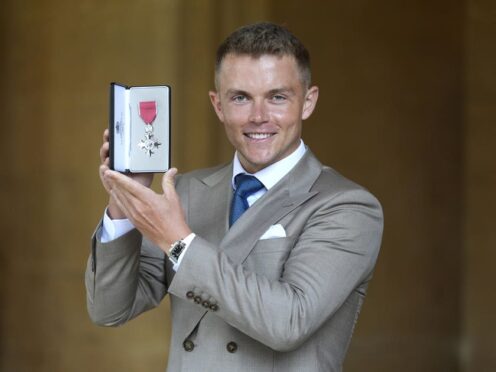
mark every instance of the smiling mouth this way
{"type": "Point", "coordinates": [259, 136]}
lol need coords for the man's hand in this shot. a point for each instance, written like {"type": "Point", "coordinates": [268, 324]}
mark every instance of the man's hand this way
{"type": "Point", "coordinates": [159, 217]}
{"type": "Point", "coordinates": [143, 178]}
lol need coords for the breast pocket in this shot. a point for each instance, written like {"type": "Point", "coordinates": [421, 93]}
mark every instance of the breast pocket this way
{"type": "Point", "coordinates": [268, 257]}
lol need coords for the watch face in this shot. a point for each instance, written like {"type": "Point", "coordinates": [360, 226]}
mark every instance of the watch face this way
{"type": "Point", "coordinates": [177, 249]}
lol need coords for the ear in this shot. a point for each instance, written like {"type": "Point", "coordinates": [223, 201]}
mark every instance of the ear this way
{"type": "Point", "coordinates": [310, 102]}
{"type": "Point", "coordinates": [215, 99]}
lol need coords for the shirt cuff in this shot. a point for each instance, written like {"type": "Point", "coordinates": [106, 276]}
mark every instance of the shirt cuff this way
{"type": "Point", "coordinates": [187, 242]}
{"type": "Point", "coordinates": [113, 229]}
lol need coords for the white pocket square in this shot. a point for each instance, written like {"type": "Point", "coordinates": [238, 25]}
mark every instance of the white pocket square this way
{"type": "Point", "coordinates": [275, 231]}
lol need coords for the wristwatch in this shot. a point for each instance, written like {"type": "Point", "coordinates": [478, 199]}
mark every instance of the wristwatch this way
{"type": "Point", "coordinates": [175, 250]}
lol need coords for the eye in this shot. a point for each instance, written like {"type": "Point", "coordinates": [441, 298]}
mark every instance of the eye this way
{"type": "Point", "coordinates": [239, 98]}
{"type": "Point", "coordinates": [278, 98]}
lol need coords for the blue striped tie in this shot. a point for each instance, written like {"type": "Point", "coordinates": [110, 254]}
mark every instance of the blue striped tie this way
{"type": "Point", "coordinates": [246, 185]}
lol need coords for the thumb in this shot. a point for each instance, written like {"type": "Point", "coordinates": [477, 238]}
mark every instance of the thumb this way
{"type": "Point", "coordinates": [168, 180]}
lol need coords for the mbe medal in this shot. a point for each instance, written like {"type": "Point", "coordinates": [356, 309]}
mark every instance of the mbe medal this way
{"type": "Point", "coordinates": [148, 113]}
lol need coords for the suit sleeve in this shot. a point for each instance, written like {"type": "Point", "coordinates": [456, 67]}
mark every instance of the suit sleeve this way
{"type": "Point", "coordinates": [333, 255]}
{"type": "Point", "coordinates": [124, 278]}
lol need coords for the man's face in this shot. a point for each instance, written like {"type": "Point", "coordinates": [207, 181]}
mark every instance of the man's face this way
{"type": "Point", "coordinates": [262, 102]}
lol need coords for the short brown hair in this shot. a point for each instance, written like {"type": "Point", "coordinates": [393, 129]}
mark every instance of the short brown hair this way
{"type": "Point", "coordinates": [263, 38]}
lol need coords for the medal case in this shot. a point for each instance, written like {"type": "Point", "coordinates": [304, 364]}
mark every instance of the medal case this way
{"type": "Point", "coordinates": [139, 128]}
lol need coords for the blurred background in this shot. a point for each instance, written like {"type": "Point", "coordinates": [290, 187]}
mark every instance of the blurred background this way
{"type": "Point", "coordinates": [407, 107]}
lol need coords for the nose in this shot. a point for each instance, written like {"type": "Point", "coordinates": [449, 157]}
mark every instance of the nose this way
{"type": "Point", "coordinates": [258, 114]}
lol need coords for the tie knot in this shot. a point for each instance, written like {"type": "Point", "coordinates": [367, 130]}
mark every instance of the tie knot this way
{"type": "Point", "coordinates": [247, 185]}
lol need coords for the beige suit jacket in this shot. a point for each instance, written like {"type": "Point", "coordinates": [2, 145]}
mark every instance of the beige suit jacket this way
{"type": "Point", "coordinates": [244, 304]}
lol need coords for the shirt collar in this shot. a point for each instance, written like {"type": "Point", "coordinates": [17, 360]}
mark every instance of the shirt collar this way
{"type": "Point", "coordinates": [272, 174]}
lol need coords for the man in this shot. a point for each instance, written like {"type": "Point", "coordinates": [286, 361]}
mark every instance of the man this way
{"type": "Point", "coordinates": [275, 287]}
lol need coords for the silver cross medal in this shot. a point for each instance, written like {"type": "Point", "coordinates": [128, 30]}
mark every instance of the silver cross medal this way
{"type": "Point", "coordinates": [149, 143]}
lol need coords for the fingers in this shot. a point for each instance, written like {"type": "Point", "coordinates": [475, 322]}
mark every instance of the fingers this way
{"type": "Point", "coordinates": [139, 207]}
{"type": "Point", "coordinates": [101, 172]}
{"type": "Point", "coordinates": [143, 178]}
{"type": "Point", "coordinates": [104, 152]}
{"type": "Point", "coordinates": [123, 199]}
{"type": "Point", "coordinates": [117, 180]}
{"type": "Point", "coordinates": [122, 204]}
{"type": "Point", "coordinates": [104, 149]}
{"type": "Point", "coordinates": [168, 179]}
{"type": "Point", "coordinates": [126, 201]}
{"type": "Point", "coordinates": [103, 168]}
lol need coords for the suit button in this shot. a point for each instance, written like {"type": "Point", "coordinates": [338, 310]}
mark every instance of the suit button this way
{"type": "Point", "coordinates": [188, 345]}
{"type": "Point", "coordinates": [214, 307]}
{"type": "Point", "coordinates": [206, 304]}
{"type": "Point", "coordinates": [198, 300]}
{"type": "Point", "coordinates": [232, 347]}
{"type": "Point", "coordinates": [190, 294]}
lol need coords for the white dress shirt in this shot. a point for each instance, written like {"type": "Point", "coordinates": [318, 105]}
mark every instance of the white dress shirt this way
{"type": "Point", "coordinates": [269, 176]}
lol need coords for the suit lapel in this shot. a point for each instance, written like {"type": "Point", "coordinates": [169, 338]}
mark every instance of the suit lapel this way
{"type": "Point", "coordinates": [289, 193]}
{"type": "Point", "coordinates": [244, 234]}
{"type": "Point", "coordinates": [209, 198]}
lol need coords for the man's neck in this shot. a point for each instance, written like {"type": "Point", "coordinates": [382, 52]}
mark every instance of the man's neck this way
{"type": "Point", "coordinates": [271, 174]}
